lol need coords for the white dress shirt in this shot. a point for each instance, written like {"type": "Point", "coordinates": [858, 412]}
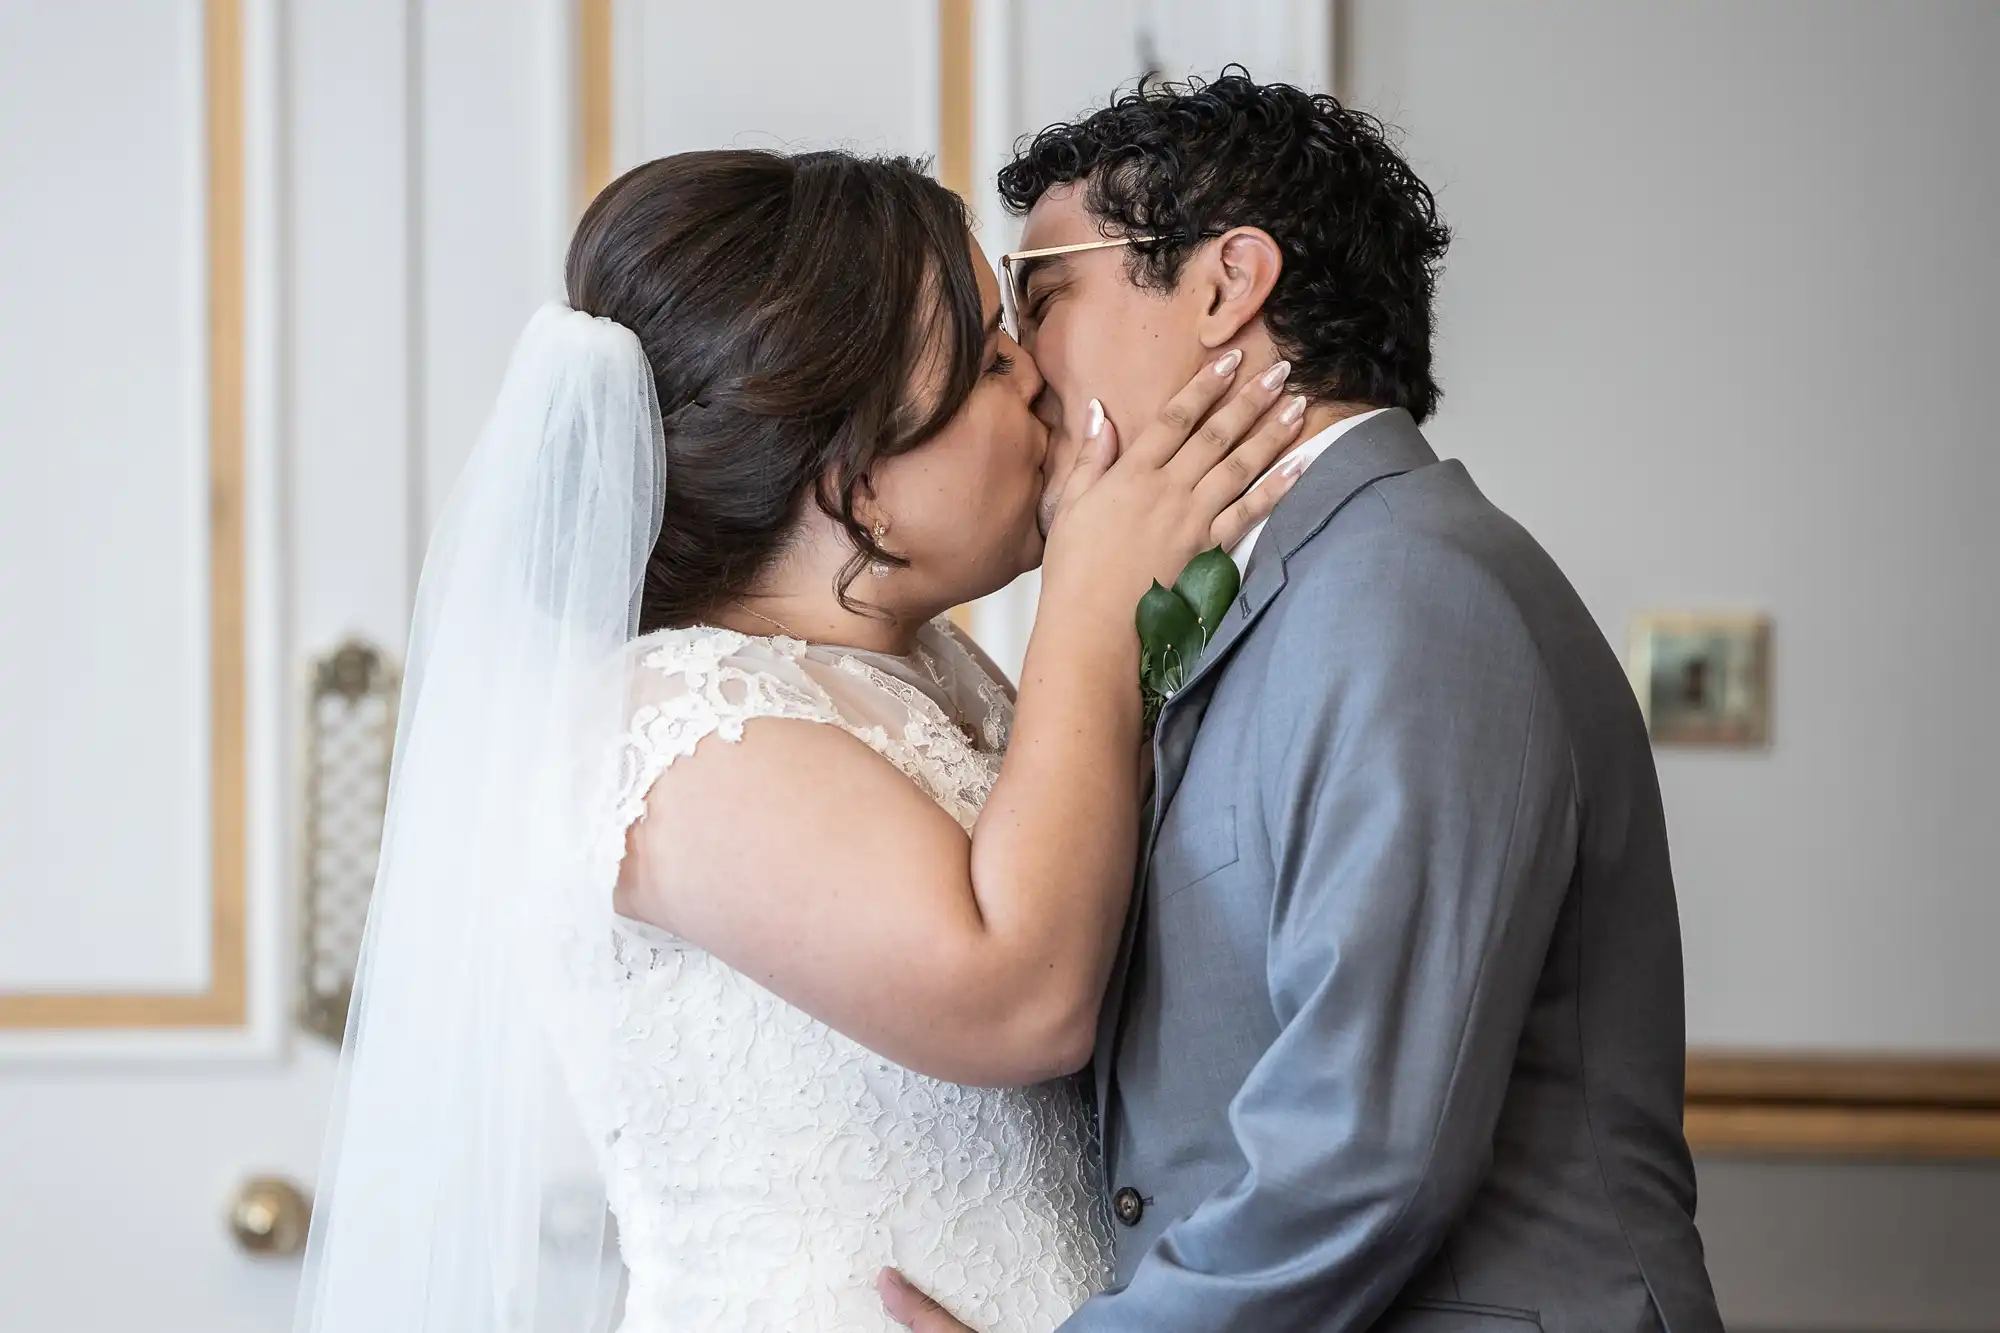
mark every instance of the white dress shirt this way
{"type": "Point", "coordinates": [1309, 451]}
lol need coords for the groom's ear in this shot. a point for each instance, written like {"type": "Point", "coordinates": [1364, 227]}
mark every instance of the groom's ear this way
{"type": "Point", "coordinates": [1235, 273]}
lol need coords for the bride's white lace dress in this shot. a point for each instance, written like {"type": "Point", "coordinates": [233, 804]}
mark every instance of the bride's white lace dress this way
{"type": "Point", "coordinates": [762, 1167]}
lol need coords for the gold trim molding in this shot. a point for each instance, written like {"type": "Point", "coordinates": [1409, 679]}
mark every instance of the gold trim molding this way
{"type": "Point", "coordinates": [225, 1003]}
{"type": "Point", "coordinates": [956, 63]}
{"type": "Point", "coordinates": [594, 82]}
{"type": "Point", "coordinates": [1723, 1129]}
{"type": "Point", "coordinates": [1871, 1080]}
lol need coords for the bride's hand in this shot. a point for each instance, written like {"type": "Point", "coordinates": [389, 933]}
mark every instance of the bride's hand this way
{"type": "Point", "coordinates": [1130, 516]}
{"type": "Point", "coordinates": [912, 1308]}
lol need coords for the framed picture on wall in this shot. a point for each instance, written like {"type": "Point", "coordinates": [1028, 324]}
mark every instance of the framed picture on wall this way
{"type": "Point", "coordinates": [1703, 679]}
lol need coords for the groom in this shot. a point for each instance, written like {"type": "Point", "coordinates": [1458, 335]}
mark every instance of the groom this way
{"type": "Point", "coordinates": [1395, 1041]}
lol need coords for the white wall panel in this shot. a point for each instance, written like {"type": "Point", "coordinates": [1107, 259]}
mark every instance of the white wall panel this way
{"type": "Point", "coordinates": [784, 74]}
{"type": "Point", "coordinates": [1717, 326]}
{"type": "Point", "coordinates": [489, 257]}
{"type": "Point", "coordinates": [354, 381]}
{"type": "Point", "coordinates": [103, 517]}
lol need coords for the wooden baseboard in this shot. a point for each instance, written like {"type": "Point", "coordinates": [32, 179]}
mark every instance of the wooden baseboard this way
{"type": "Point", "coordinates": [1859, 1106]}
{"type": "Point", "coordinates": [1749, 1129]}
{"type": "Point", "coordinates": [1864, 1080]}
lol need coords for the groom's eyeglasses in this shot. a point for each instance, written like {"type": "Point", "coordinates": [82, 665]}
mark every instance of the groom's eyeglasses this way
{"type": "Point", "coordinates": [1015, 267]}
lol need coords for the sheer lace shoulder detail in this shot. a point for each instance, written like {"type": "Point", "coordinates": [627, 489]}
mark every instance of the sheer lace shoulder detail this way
{"type": "Point", "coordinates": [966, 661]}
{"type": "Point", "coordinates": [939, 716]}
{"type": "Point", "coordinates": [936, 753]}
{"type": "Point", "coordinates": [689, 684]}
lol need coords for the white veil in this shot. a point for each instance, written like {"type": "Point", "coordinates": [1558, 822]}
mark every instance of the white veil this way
{"type": "Point", "coordinates": [457, 1194]}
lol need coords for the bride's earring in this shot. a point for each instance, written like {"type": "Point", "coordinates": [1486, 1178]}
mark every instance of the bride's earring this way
{"type": "Point", "coordinates": [881, 569]}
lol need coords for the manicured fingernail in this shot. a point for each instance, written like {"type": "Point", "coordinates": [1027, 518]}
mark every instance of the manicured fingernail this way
{"type": "Point", "coordinates": [1295, 410]}
{"type": "Point", "coordinates": [1294, 465]}
{"type": "Point", "coordinates": [1275, 376]}
{"type": "Point", "coordinates": [1093, 423]}
{"type": "Point", "coordinates": [1226, 363]}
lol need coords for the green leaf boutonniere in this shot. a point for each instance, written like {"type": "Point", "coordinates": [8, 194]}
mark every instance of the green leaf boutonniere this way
{"type": "Point", "coordinates": [1175, 625]}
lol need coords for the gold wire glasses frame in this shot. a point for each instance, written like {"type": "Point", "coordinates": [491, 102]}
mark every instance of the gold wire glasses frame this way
{"type": "Point", "coordinates": [1010, 287]}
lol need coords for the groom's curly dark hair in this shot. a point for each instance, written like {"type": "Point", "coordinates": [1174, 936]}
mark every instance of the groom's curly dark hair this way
{"type": "Point", "coordinates": [1362, 241]}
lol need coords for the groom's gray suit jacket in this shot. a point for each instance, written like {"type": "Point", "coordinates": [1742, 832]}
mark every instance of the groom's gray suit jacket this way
{"type": "Point", "coordinates": [1396, 1038]}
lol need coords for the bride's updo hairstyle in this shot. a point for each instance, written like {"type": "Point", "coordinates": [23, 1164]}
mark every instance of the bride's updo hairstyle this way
{"type": "Point", "coordinates": [805, 315]}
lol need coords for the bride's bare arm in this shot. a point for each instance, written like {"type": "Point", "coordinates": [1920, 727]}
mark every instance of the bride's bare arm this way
{"type": "Point", "coordinates": [806, 861]}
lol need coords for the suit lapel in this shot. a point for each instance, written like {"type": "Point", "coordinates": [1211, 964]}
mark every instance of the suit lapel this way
{"type": "Point", "coordinates": [1384, 447]}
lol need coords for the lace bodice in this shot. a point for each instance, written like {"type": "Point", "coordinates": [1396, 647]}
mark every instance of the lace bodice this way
{"type": "Point", "coordinates": [762, 1166]}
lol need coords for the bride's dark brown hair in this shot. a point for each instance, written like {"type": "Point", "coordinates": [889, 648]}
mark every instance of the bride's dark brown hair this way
{"type": "Point", "coordinates": [788, 304]}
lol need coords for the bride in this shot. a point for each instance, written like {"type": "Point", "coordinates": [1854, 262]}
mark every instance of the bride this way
{"type": "Point", "coordinates": [725, 882]}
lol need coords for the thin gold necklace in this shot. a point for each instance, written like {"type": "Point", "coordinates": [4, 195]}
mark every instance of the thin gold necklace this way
{"type": "Point", "coordinates": [948, 706]}
{"type": "Point", "coordinates": [772, 621]}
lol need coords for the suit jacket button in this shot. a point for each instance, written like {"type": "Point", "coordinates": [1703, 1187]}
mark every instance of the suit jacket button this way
{"type": "Point", "coordinates": [1128, 1206]}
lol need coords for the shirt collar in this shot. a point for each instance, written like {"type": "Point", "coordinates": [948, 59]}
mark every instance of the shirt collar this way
{"type": "Point", "coordinates": [1309, 451]}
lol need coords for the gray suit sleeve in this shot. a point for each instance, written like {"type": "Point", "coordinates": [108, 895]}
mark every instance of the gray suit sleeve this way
{"type": "Point", "coordinates": [1423, 823]}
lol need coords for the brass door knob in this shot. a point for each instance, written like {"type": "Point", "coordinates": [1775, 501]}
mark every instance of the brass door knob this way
{"type": "Point", "coordinates": [270, 1215]}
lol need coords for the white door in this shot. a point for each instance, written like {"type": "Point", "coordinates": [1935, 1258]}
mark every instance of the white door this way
{"type": "Point", "coordinates": [261, 264]}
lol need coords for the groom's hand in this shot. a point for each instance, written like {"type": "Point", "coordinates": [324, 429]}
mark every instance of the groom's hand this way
{"type": "Point", "coordinates": [911, 1308]}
